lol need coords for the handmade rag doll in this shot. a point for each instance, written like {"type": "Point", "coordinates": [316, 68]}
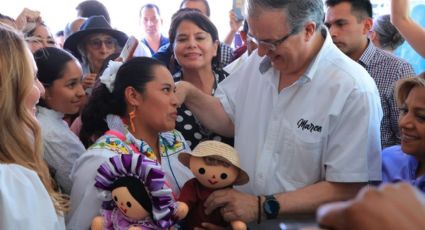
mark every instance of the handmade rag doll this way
{"type": "Point", "coordinates": [215, 166]}
{"type": "Point", "coordinates": [139, 197]}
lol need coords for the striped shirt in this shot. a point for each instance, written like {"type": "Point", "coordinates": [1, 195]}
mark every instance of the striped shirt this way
{"type": "Point", "coordinates": [386, 69]}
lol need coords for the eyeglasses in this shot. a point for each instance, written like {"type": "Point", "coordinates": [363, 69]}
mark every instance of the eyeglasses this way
{"type": "Point", "coordinates": [272, 46]}
{"type": "Point", "coordinates": [97, 43]}
{"type": "Point", "coordinates": [45, 41]}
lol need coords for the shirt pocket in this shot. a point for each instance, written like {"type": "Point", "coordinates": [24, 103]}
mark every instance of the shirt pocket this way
{"type": "Point", "coordinates": [300, 157]}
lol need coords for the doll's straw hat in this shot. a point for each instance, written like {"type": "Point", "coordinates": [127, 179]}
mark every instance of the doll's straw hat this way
{"type": "Point", "coordinates": [218, 149]}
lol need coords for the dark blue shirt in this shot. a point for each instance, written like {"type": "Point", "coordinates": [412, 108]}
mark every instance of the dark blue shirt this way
{"type": "Point", "coordinates": [163, 40]}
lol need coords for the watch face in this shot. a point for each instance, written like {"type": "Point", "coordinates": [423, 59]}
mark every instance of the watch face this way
{"type": "Point", "coordinates": [271, 208]}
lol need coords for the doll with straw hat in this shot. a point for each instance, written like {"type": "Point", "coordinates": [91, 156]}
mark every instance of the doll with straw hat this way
{"type": "Point", "coordinates": [216, 166]}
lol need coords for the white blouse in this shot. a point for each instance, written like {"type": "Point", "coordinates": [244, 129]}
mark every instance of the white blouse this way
{"type": "Point", "coordinates": [61, 146]}
{"type": "Point", "coordinates": [24, 201]}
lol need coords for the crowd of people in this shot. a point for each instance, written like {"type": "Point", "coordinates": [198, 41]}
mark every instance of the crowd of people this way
{"type": "Point", "coordinates": [325, 118]}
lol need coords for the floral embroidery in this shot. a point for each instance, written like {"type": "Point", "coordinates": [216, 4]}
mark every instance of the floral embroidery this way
{"type": "Point", "coordinates": [169, 143]}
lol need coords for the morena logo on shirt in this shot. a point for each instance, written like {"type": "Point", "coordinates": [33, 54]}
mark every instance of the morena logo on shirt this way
{"type": "Point", "coordinates": [306, 125]}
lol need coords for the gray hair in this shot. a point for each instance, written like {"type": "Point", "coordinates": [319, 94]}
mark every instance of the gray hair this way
{"type": "Point", "coordinates": [297, 12]}
{"type": "Point", "coordinates": [388, 35]}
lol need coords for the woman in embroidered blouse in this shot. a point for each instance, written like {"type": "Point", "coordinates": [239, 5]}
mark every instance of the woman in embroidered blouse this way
{"type": "Point", "coordinates": [60, 73]}
{"type": "Point", "coordinates": [196, 46]}
{"type": "Point", "coordinates": [406, 162]}
{"type": "Point", "coordinates": [136, 107]}
{"type": "Point", "coordinates": [27, 196]}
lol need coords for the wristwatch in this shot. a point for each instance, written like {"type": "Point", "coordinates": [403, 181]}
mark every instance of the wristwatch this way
{"type": "Point", "coordinates": [271, 207]}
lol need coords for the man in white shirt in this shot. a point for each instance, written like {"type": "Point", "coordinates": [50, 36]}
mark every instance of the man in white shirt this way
{"type": "Point", "coordinates": [305, 117]}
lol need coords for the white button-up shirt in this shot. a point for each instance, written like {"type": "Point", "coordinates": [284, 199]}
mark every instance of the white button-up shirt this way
{"type": "Point", "coordinates": [61, 146]}
{"type": "Point", "coordinates": [325, 126]}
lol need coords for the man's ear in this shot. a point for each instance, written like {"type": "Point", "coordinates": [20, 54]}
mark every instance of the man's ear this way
{"type": "Point", "coordinates": [367, 25]}
{"type": "Point", "coordinates": [309, 28]}
{"type": "Point", "coordinates": [132, 96]}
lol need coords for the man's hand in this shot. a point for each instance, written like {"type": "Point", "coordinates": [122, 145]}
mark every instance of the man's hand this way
{"type": "Point", "coordinates": [393, 206]}
{"type": "Point", "coordinates": [234, 205]}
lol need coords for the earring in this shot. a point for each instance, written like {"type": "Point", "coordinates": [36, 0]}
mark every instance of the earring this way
{"type": "Point", "coordinates": [132, 116]}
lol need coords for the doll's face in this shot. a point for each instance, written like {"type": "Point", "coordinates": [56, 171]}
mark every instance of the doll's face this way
{"type": "Point", "coordinates": [127, 204]}
{"type": "Point", "coordinates": [213, 176]}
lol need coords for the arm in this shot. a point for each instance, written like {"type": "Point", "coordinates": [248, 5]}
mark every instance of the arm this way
{"type": "Point", "coordinates": [234, 27]}
{"type": "Point", "coordinates": [206, 108]}
{"type": "Point", "coordinates": [389, 207]}
{"type": "Point", "coordinates": [411, 31]}
{"type": "Point", "coordinates": [241, 206]}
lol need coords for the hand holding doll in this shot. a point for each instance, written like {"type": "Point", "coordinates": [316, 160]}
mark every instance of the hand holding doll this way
{"type": "Point", "coordinates": [215, 166]}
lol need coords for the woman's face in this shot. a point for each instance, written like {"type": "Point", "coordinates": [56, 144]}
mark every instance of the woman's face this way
{"type": "Point", "coordinates": [37, 88]}
{"type": "Point", "coordinates": [157, 106]}
{"type": "Point", "coordinates": [41, 38]}
{"type": "Point", "coordinates": [65, 95]}
{"type": "Point", "coordinates": [412, 123]}
{"type": "Point", "coordinates": [99, 46]}
{"type": "Point", "coordinates": [193, 47]}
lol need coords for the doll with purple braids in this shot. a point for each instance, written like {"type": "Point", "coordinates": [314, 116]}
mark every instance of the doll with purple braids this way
{"type": "Point", "coordinates": [137, 195]}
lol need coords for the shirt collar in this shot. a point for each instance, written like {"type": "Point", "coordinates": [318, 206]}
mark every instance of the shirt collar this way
{"type": "Point", "coordinates": [367, 56]}
{"type": "Point", "coordinates": [314, 65]}
{"type": "Point", "coordinates": [265, 64]}
{"type": "Point", "coordinates": [49, 112]}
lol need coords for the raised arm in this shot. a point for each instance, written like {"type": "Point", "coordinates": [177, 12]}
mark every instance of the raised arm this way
{"type": "Point", "coordinates": [234, 27]}
{"type": "Point", "coordinates": [413, 33]}
{"type": "Point", "coordinates": [206, 108]}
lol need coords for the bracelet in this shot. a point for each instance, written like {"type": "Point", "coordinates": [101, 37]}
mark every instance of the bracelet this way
{"type": "Point", "coordinates": [259, 210]}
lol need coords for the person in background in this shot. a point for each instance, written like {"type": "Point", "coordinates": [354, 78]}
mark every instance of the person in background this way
{"type": "Point", "coordinates": [90, 8]}
{"type": "Point", "coordinates": [95, 41]}
{"type": "Point", "coordinates": [226, 54]}
{"type": "Point", "coordinates": [60, 38]}
{"type": "Point", "coordinates": [165, 52]}
{"type": "Point", "coordinates": [234, 28]}
{"type": "Point", "coordinates": [242, 53]}
{"type": "Point", "coordinates": [151, 21]}
{"type": "Point", "coordinates": [412, 32]}
{"type": "Point", "coordinates": [60, 73]}
{"type": "Point", "coordinates": [349, 23]}
{"type": "Point", "coordinates": [195, 43]}
{"type": "Point", "coordinates": [298, 145]}
{"type": "Point", "coordinates": [408, 51]}
{"type": "Point", "coordinates": [133, 111]}
{"type": "Point", "coordinates": [384, 35]}
{"type": "Point", "coordinates": [405, 162]}
{"type": "Point", "coordinates": [38, 35]}
{"type": "Point", "coordinates": [27, 195]}
{"type": "Point", "coordinates": [73, 26]}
